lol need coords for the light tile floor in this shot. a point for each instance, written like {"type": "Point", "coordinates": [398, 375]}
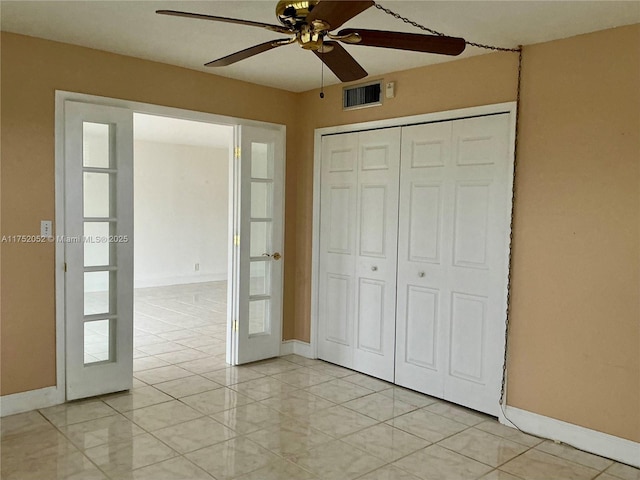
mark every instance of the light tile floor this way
{"type": "Point", "coordinates": [192, 417]}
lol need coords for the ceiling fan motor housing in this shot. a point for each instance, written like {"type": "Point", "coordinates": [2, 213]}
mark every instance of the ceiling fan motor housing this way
{"type": "Point", "coordinates": [293, 14]}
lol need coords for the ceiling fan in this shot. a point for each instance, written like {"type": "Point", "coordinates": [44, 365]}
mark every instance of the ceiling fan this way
{"type": "Point", "coordinates": [310, 23]}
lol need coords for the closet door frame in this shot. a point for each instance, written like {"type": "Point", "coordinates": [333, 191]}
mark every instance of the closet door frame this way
{"type": "Point", "coordinates": [500, 108]}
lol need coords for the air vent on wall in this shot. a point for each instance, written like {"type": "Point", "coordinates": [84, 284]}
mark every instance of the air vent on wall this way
{"type": "Point", "coordinates": [359, 96]}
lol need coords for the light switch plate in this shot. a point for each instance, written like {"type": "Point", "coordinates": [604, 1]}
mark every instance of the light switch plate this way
{"type": "Point", "coordinates": [45, 228]}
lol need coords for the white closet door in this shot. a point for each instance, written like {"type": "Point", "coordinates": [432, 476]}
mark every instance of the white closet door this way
{"type": "Point", "coordinates": [455, 207]}
{"type": "Point", "coordinates": [423, 257]}
{"type": "Point", "coordinates": [481, 207]}
{"type": "Point", "coordinates": [339, 184]}
{"type": "Point", "coordinates": [376, 248]}
{"type": "Point", "coordinates": [358, 249]}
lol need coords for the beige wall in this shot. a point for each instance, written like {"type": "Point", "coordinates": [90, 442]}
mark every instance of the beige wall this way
{"type": "Point", "coordinates": [576, 288]}
{"type": "Point", "coordinates": [575, 336]}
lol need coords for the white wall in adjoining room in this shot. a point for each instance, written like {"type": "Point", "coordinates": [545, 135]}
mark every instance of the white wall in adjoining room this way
{"type": "Point", "coordinates": [181, 196]}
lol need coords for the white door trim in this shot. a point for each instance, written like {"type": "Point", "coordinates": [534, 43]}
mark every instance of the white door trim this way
{"type": "Point", "coordinates": [508, 107]}
{"type": "Point", "coordinates": [58, 396]}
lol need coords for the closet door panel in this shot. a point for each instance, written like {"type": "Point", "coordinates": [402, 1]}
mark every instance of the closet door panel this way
{"type": "Point", "coordinates": [422, 257]}
{"type": "Point", "coordinates": [338, 251]}
{"type": "Point", "coordinates": [421, 346]}
{"type": "Point", "coordinates": [377, 221]}
{"type": "Point", "coordinates": [482, 199]}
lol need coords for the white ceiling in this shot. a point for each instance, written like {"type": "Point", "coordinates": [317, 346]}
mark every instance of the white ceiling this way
{"type": "Point", "coordinates": [154, 128]}
{"type": "Point", "coordinates": [132, 28]}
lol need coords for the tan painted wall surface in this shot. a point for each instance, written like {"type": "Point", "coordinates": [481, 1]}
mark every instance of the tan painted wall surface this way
{"type": "Point", "coordinates": [576, 272]}
{"type": "Point", "coordinates": [575, 337]}
{"type": "Point", "coordinates": [32, 69]}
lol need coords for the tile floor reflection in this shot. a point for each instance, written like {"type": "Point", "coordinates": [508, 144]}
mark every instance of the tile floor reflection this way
{"type": "Point", "coordinates": [190, 416]}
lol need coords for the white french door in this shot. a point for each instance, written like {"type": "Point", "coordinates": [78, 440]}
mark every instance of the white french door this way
{"type": "Point", "coordinates": [257, 258]}
{"type": "Point", "coordinates": [98, 249]}
{"type": "Point", "coordinates": [358, 247]}
{"type": "Point", "coordinates": [452, 259]}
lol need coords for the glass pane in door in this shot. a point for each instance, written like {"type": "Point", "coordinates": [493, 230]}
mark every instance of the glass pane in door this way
{"type": "Point", "coordinates": [261, 199]}
{"type": "Point", "coordinates": [97, 289]}
{"type": "Point", "coordinates": [97, 249]}
{"type": "Point", "coordinates": [259, 317]}
{"type": "Point", "coordinates": [260, 273]}
{"type": "Point", "coordinates": [261, 166]}
{"type": "Point", "coordinates": [260, 239]}
{"type": "Point", "coordinates": [97, 195]}
{"type": "Point", "coordinates": [95, 145]}
{"type": "Point", "coordinates": [97, 341]}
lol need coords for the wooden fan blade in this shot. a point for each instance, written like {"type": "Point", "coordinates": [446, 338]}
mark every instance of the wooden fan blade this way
{"type": "Point", "coordinates": [176, 13]}
{"type": "Point", "coordinates": [408, 41]}
{"type": "Point", "coordinates": [247, 52]}
{"type": "Point", "coordinates": [336, 13]}
{"type": "Point", "coordinates": [341, 63]}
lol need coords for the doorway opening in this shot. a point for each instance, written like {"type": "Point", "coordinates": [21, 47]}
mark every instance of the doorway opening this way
{"type": "Point", "coordinates": [181, 249]}
{"type": "Point", "coordinates": [202, 217]}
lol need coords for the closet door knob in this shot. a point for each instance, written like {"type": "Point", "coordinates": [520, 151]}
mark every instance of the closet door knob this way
{"type": "Point", "coordinates": [374, 268]}
{"type": "Point", "coordinates": [421, 274]}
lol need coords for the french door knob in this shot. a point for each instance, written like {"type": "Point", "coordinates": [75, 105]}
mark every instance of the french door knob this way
{"type": "Point", "coordinates": [374, 268]}
{"type": "Point", "coordinates": [275, 256]}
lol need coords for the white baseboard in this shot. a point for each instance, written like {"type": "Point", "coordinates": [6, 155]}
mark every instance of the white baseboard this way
{"type": "Point", "coordinates": [286, 347]}
{"type": "Point", "coordinates": [179, 280]}
{"type": "Point", "coordinates": [26, 401]}
{"type": "Point", "coordinates": [296, 347]}
{"type": "Point", "coordinates": [592, 441]}
{"type": "Point", "coordinates": [302, 348]}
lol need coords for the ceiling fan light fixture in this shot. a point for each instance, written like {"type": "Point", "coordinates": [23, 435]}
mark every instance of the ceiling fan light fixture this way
{"type": "Point", "coordinates": [309, 38]}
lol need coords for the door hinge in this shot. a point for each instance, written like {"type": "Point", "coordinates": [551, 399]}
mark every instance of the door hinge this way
{"type": "Point", "coordinates": [234, 325]}
{"type": "Point", "coordinates": [236, 152]}
{"type": "Point", "coordinates": [236, 240]}
{"type": "Point", "coordinates": [65, 267]}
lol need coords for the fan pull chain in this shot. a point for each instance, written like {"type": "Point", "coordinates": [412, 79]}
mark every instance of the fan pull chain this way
{"type": "Point", "coordinates": [321, 76]}
{"type": "Point", "coordinates": [440, 34]}
{"type": "Point", "coordinates": [503, 383]}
